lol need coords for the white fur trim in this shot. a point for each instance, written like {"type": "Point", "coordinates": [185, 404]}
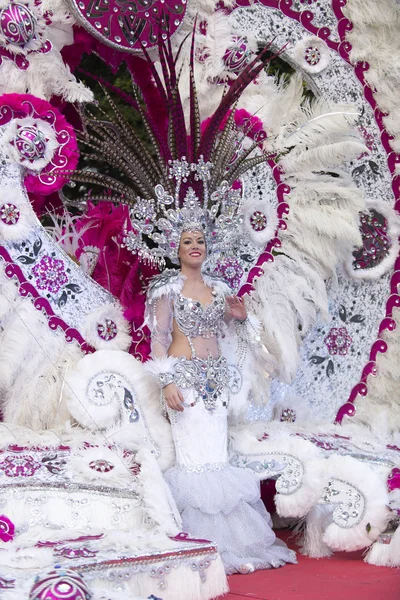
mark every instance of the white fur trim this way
{"type": "Point", "coordinates": [158, 502]}
{"type": "Point", "coordinates": [383, 554]}
{"type": "Point", "coordinates": [260, 238]}
{"type": "Point", "coordinates": [102, 316]}
{"type": "Point", "coordinates": [119, 475]}
{"type": "Point", "coordinates": [157, 366]}
{"type": "Point", "coordinates": [151, 430]}
{"type": "Point", "coordinates": [376, 515]}
{"type": "Point", "coordinates": [307, 44]}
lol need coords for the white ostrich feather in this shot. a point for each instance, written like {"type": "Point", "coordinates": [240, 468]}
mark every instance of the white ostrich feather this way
{"type": "Point", "coordinates": [322, 157]}
{"type": "Point", "coordinates": [315, 122]}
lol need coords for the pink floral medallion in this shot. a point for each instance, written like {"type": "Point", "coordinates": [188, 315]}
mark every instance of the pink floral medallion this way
{"type": "Point", "coordinates": [338, 341]}
{"type": "Point", "coordinates": [60, 584]}
{"type": "Point", "coordinates": [19, 466]}
{"type": "Point", "coordinates": [9, 214]}
{"type": "Point", "coordinates": [231, 270]}
{"type": "Point", "coordinates": [50, 274]}
{"type": "Point", "coordinates": [258, 221]}
{"type": "Point", "coordinates": [7, 529]}
{"type": "Point", "coordinates": [31, 140]}
{"type": "Point", "coordinates": [101, 465]}
{"type": "Point", "coordinates": [312, 55]}
{"type": "Point", "coordinates": [107, 331]}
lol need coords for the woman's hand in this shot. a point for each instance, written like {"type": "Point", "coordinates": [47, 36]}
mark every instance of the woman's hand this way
{"type": "Point", "coordinates": [236, 308]}
{"type": "Point", "coordinates": [173, 397]}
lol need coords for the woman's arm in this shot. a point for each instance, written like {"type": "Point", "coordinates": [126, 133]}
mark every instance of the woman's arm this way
{"type": "Point", "coordinates": [160, 320]}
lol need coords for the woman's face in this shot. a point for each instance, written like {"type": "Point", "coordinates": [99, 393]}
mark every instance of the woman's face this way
{"type": "Point", "coordinates": [192, 248]}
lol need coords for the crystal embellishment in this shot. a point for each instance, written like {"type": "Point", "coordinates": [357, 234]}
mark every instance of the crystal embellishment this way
{"type": "Point", "coordinates": [375, 238]}
{"type": "Point", "coordinates": [338, 341]}
{"type": "Point", "coordinates": [58, 585]}
{"type": "Point", "coordinates": [17, 24]}
{"type": "Point", "coordinates": [258, 221]}
{"type": "Point", "coordinates": [30, 143]}
{"type": "Point", "coordinates": [50, 274]}
{"type": "Point", "coordinates": [9, 214]}
{"type": "Point", "coordinates": [312, 55]}
{"type": "Point", "coordinates": [288, 415]}
{"type": "Point", "coordinates": [101, 465]}
{"type": "Point", "coordinates": [107, 331]}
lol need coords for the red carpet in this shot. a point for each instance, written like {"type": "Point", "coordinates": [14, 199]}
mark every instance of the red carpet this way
{"type": "Point", "coordinates": [344, 576]}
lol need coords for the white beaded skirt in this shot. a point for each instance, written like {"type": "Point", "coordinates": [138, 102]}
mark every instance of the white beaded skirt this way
{"type": "Point", "coordinates": [217, 501]}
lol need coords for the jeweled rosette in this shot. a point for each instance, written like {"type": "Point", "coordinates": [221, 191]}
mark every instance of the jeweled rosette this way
{"type": "Point", "coordinates": [39, 138]}
{"type": "Point", "coordinates": [60, 584]}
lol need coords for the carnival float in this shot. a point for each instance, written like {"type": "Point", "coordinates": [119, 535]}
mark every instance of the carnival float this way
{"type": "Point", "coordinates": [85, 511]}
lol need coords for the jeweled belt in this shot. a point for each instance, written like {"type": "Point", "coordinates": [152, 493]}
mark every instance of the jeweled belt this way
{"type": "Point", "coordinates": [208, 376]}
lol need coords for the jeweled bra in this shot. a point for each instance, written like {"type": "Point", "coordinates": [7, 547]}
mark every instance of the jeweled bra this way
{"type": "Point", "coordinates": [197, 320]}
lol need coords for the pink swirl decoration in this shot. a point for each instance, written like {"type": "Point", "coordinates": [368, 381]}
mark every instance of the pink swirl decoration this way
{"type": "Point", "coordinates": [394, 480]}
{"type": "Point", "coordinates": [17, 24]}
{"type": "Point", "coordinates": [60, 584]}
{"type": "Point", "coordinates": [7, 529]}
{"type": "Point", "coordinates": [65, 157]}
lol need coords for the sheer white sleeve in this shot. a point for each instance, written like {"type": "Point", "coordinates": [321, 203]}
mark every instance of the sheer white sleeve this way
{"type": "Point", "coordinates": [159, 316]}
{"type": "Point", "coordinates": [161, 326]}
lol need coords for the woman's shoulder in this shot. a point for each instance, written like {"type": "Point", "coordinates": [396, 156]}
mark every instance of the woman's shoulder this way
{"type": "Point", "coordinates": [217, 283]}
{"type": "Point", "coordinates": [167, 283]}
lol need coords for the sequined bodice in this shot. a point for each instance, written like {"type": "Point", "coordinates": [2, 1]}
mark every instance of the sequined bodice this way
{"type": "Point", "coordinates": [197, 320]}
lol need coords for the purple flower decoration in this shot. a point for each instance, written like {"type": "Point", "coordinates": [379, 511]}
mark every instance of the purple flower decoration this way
{"type": "Point", "coordinates": [394, 480]}
{"type": "Point", "coordinates": [50, 274]}
{"type": "Point", "coordinates": [7, 529]}
{"type": "Point", "coordinates": [338, 341]}
{"type": "Point", "coordinates": [231, 270]}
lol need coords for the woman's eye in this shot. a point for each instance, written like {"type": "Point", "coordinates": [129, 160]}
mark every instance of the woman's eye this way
{"type": "Point", "coordinates": [200, 242]}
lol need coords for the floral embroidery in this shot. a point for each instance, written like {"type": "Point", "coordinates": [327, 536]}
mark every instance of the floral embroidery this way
{"type": "Point", "coordinates": [50, 274]}
{"type": "Point", "coordinates": [19, 466]}
{"type": "Point", "coordinates": [231, 270]}
{"type": "Point", "coordinates": [338, 341]}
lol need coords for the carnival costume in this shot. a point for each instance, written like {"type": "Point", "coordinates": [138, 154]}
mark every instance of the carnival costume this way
{"type": "Point", "coordinates": [193, 186]}
{"type": "Point", "coordinates": [216, 500]}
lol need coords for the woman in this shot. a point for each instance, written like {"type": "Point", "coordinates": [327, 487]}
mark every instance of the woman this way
{"type": "Point", "coordinates": [187, 312]}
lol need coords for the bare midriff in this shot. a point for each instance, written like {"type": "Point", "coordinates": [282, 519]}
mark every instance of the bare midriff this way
{"type": "Point", "coordinates": [204, 347]}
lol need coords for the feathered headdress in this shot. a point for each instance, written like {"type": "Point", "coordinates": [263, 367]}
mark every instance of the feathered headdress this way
{"type": "Point", "coordinates": [187, 183]}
